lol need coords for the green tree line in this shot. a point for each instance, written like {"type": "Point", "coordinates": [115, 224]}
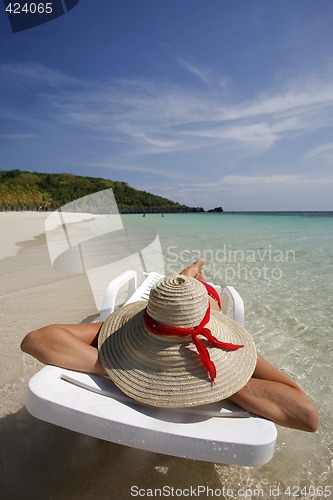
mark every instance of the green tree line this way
{"type": "Point", "coordinates": [22, 190]}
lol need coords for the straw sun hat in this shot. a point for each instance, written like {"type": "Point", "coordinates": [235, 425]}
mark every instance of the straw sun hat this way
{"type": "Point", "coordinates": [172, 351]}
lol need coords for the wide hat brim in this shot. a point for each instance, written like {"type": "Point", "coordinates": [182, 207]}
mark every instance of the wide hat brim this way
{"type": "Point", "coordinates": [167, 371]}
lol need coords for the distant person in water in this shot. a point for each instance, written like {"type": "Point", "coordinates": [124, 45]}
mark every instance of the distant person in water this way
{"type": "Point", "coordinates": [262, 389]}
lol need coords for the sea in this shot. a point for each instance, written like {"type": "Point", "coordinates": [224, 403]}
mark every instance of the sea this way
{"type": "Point", "coordinates": [281, 263]}
{"type": "Point", "coordinates": [282, 266]}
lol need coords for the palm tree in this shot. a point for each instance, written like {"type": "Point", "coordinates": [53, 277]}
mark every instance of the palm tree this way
{"type": "Point", "coordinates": [46, 200]}
{"type": "Point", "coordinates": [5, 198]}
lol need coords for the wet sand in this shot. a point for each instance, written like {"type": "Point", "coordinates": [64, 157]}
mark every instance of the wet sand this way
{"type": "Point", "coordinates": [40, 460]}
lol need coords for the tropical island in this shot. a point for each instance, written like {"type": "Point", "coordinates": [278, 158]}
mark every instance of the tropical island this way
{"type": "Point", "coordinates": [23, 190]}
{"type": "Point", "coordinates": [217, 210]}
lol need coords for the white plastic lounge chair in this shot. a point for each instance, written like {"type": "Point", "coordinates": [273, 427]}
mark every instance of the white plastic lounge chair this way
{"type": "Point", "coordinates": [92, 405]}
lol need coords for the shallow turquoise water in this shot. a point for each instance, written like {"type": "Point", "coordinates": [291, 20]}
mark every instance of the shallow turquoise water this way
{"type": "Point", "coordinates": [282, 265]}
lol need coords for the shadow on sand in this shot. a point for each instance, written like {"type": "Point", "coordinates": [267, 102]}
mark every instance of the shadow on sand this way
{"type": "Point", "coordinates": [40, 460]}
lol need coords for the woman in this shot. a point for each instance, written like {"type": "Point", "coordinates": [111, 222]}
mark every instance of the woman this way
{"type": "Point", "coordinates": [268, 393]}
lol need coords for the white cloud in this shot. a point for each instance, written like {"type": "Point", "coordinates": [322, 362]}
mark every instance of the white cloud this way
{"type": "Point", "coordinates": [242, 192]}
{"type": "Point", "coordinates": [259, 136]}
{"type": "Point", "coordinates": [160, 118]}
{"type": "Point", "coordinates": [276, 179]}
{"type": "Point", "coordinates": [166, 173]}
{"type": "Point", "coordinates": [135, 123]}
{"type": "Point", "coordinates": [202, 74]}
{"type": "Point", "coordinates": [35, 72]}
{"type": "Point", "coordinates": [18, 137]}
{"type": "Point", "coordinates": [209, 78]}
{"type": "Point", "coordinates": [323, 151]}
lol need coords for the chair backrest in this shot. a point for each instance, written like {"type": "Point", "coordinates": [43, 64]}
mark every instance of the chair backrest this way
{"type": "Point", "coordinates": [230, 297]}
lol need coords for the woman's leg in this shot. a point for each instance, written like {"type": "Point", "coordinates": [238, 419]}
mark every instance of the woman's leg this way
{"type": "Point", "coordinates": [195, 270]}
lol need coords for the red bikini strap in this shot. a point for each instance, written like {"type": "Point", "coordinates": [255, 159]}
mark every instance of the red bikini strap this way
{"type": "Point", "coordinates": [212, 293]}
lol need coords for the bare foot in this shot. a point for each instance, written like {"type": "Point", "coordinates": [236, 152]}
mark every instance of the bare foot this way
{"type": "Point", "coordinates": [195, 270]}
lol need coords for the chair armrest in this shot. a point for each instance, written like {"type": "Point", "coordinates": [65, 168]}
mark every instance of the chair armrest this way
{"type": "Point", "coordinates": [229, 294]}
{"type": "Point", "coordinates": [113, 289]}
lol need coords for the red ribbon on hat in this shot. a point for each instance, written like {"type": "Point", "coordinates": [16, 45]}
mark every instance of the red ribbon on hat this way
{"type": "Point", "coordinates": [159, 329]}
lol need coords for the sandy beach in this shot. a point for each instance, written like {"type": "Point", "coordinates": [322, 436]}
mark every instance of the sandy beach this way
{"type": "Point", "coordinates": [40, 460]}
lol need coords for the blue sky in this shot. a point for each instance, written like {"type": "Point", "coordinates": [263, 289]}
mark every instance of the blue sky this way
{"type": "Point", "coordinates": [207, 102]}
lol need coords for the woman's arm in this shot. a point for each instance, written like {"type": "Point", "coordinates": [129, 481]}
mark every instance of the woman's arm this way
{"type": "Point", "coordinates": [68, 346]}
{"type": "Point", "coordinates": [272, 395]}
